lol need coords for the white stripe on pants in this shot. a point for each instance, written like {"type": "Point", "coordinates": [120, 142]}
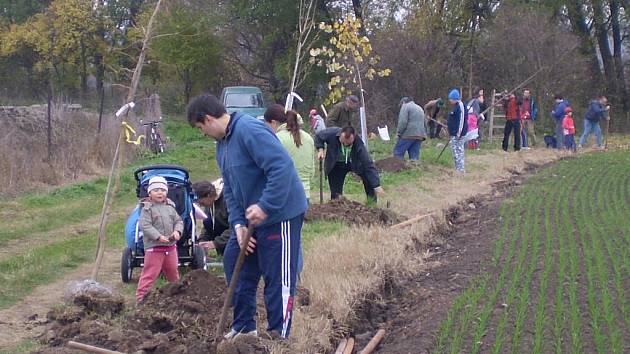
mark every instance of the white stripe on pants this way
{"type": "Point", "coordinates": [286, 275]}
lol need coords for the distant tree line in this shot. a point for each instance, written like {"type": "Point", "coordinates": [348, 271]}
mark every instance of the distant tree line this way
{"type": "Point", "coordinates": [81, 49]}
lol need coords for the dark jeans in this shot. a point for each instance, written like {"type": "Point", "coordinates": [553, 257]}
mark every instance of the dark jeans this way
{"type": "Point", "coordinates": [337, 177]}
{"type": "Point", "coordinates": [434, 129]}
{"type": "Point", "coordinates": [509, 126]}
{"type": "Point", "coordinates": [569, 142]}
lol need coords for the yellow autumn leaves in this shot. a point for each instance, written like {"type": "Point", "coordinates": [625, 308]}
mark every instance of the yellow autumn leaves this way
{"type": "Point", "coordinates": [347, 53]}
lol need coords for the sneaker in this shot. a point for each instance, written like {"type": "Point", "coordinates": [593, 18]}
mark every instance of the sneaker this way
{"type": "Point", "coordinates": [579, 146]}
{"type": "Point", "coordinates": [233, 334]}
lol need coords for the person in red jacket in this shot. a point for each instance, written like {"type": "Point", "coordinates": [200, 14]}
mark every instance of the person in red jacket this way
{"type": "Point", "coordinates": [569, 129]}
{"type": "Point", "coordinates": [513, 122]}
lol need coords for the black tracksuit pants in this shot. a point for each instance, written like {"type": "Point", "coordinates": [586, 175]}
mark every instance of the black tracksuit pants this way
{"type": "Point", "coordinates": [337, 177]}
{"type": "Point", "coordinates": [509, 126]}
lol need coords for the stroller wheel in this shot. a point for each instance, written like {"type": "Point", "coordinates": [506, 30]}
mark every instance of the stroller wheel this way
{"type": "Point", "coordinates": [199, 258]}
{"type": "Point", "coordinates": [126, 265]}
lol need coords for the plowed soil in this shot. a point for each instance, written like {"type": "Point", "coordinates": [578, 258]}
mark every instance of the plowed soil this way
{"type": "Point", "coordinates": [411, 310]}
{"type": "Point", "coordinates": [177, 318]}
{"type": "Point", "coordinates": [351, 212]}
{"type": "Point", "coordinates": [391, 164]}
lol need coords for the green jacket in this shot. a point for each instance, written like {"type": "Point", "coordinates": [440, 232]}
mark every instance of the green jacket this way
{"type": "Point", "coordinates": [159, 220]}
{"type": "Point", "coordinates": [303, 157]}
{"type": "Point", "coordinates": [411, 122]}
{"type": "Point", "coordinates": [341, 116]}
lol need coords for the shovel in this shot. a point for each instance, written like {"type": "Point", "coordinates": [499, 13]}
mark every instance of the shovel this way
{"type": "Point", "coordinates": [233, 282]}
{"type": "Point", "coordinates": [321, 183]}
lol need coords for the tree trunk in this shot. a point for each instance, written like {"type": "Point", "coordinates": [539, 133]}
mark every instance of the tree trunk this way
{"type": "Point", "coordinates": [84, 70]}
{"type": "Point", "coordinates": [617, 47]}
{"type": "Point", "coordinates": [582, 29]}
{"type": "Point", "coordinates": [187, 85]}
{"type": "Point", "coordinates": [49, 116]}
{"type": "Point", "coordinates": [601, 33]}
{"type": "Point", "coordinates": [357, 6]}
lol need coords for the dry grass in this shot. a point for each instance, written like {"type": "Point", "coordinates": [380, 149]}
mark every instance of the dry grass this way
{"type": "Point", "coordinates": [341, 270]}
{"type": "Point", "coordinates": [78, 150]}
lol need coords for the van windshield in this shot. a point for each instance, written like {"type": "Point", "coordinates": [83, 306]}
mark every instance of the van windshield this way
{"type": "Point", "coordinates": [243, 100]}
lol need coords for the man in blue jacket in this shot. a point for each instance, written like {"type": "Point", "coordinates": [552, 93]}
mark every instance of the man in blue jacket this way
{"type": "Point", "coordinates": [262, 189]}
{"type": "Point", "coordinates": [597, 110]}
{"type": "Point", "coordinates": [558, 115]}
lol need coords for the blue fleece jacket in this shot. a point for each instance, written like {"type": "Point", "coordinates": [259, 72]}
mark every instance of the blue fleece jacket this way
{"type": "Point", "coordinates": [595, 111]}
{"type": "Point", "coordinates": [558, 112]}
{"type": "Point", "coordinates": [457, 121]}
{"type": "Point", "coordinates": [257, 169]}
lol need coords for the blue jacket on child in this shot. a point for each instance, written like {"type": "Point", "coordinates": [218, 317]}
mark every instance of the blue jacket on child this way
{"type": "Point", "coordinates": [257, 169]}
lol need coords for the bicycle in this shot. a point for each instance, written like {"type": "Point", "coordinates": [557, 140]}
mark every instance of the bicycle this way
{"type": "Point", "coordinates": [153, 139]}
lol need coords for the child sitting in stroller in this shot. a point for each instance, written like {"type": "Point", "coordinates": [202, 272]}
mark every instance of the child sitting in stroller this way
{"type": "Point", "coordinates": [162, 227]}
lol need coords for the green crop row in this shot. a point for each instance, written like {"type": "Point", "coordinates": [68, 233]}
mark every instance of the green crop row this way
{"type": "Point", "coordinates": [566, 233]}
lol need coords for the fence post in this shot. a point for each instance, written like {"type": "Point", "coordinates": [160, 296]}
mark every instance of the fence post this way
{"type": "Point", "coordinates": [491, 125]}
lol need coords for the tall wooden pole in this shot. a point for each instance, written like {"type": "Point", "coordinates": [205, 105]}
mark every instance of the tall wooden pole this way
{"type": "Point", "coordinates": [114, 173]}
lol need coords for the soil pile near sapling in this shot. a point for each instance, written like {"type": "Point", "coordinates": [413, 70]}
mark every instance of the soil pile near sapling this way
{"type": "Point", "coordinates": [351, 212]}
{"type": "Point", "coordinates": [391, 164]}
{"type": "Point", "coordinates": [177, 318]}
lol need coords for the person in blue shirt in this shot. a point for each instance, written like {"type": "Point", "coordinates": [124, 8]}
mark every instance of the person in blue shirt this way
{"type": "Point", "coordinates": [457, 129]}
{"type": "Point", "coordinates": [597, 110]}
{"type": "Point", "coordinates": [262, 190]}
{"type": "Point", "coordinates": [558, 114]}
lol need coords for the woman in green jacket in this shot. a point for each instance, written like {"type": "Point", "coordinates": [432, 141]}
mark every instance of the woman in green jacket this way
{"type": "Point", "coordinates": [298, 143]}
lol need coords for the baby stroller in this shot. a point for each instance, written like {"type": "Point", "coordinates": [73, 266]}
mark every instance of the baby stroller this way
{"type": "Point", "coordinates": [180, 192]}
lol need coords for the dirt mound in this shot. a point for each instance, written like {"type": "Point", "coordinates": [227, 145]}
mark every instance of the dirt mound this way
{"type": "Point", "coordinates": [352, 212]}
{"type": "Point", "coordinates": [177, 318]}
{"type": "Point", "coordinates": [391, 164]}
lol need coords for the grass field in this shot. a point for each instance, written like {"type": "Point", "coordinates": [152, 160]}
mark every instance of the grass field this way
{"type": "Point", "coordinates": [561, 279]}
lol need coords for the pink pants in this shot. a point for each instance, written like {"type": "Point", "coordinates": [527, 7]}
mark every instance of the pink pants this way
{"type": "Point", "coordinates": [157, 259]}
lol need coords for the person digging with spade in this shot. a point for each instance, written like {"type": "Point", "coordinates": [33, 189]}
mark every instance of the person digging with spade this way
{"type": "Point", "coordinates": [262, 190]}
{"type": "Point", "coordinates": [346, 153]}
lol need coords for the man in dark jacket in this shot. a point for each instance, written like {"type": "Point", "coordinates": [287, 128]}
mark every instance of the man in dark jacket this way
{"type": "Point", "coordinates": [558, 114]}
{"type": "Point", "coordinates": [345, 113]}
{"type": "Point", "coordinates": [434, 110]}
{"type": "Point", "coordinates": [597, 110]}
{"type": "Point", "coordinates": [216, 227]}
{"type": "Point", "coordinates": [410, 130]}
{"type": "Point", "coordinates": [345, 152]}
{"type": "Point", "coordinates": [262, 190]}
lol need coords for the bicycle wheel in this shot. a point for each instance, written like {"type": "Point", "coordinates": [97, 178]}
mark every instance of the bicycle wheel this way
{"type": "Point", "coordinates": [159, 144]}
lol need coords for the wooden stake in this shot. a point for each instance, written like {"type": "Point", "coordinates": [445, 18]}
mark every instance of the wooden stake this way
{"type": "Point", "coordinates": [342, 346]}
{"type": "Point", "coordinates": [410, 221]}
{"type": "Point", "coordinates": [369, 348]}
{"type": "Point", "coordinates": [349, 346]}
{"type": "Point", "coordinates": [90, 348]}
{"type": "Point", "coordinates": [114, 173]}
{"type": "Point", "coordinates": [232, 287]}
